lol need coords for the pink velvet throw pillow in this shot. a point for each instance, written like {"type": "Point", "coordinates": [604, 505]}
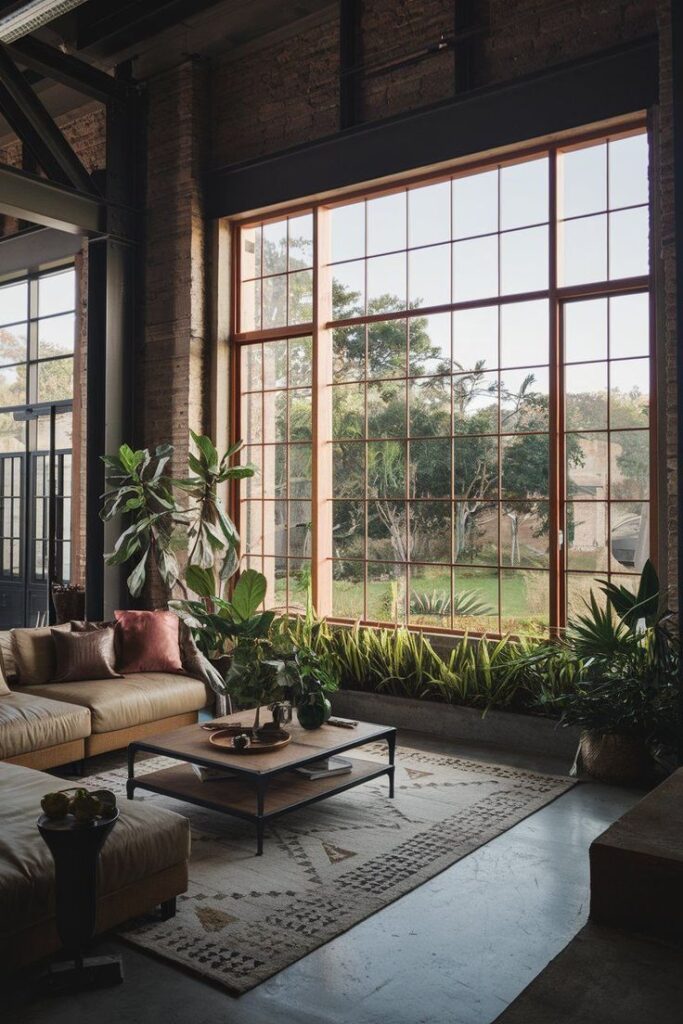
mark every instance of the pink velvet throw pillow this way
{"type": "Point", "coordinates": [147, 642]}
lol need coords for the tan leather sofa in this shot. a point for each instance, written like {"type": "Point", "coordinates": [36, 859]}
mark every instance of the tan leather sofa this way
{"type": "Point", "coordinates": [51, 724]}
{"type": "Point", "coordinates": [142, 864]}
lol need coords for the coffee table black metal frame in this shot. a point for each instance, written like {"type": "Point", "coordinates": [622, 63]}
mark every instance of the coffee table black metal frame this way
{"type": "Point", "coordinates": [259, 780]}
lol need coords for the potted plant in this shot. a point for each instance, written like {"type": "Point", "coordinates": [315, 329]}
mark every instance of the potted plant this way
{"type": "Point", "coordinates": [313, 682]}
{"type": "Point", "coordinates": [624, 696]}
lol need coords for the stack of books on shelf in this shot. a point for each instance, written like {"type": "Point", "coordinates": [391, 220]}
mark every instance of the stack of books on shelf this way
{"type": "Point", "coordinates": [325, 767]}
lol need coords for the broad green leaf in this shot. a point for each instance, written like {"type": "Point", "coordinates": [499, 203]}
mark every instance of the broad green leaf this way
{"type": "Point", "coordinates": [136, 580]}
{"type": "Point", "coordinates": [200, 580]}
{"type": "Point", "coordinates": [249, 593]}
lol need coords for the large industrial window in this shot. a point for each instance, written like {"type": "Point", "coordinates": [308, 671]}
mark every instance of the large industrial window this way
{"type": "Point", "coordinates": [445, 388]}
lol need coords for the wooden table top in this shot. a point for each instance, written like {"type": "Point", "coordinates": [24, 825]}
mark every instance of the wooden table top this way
{"type": "Point", "coordinates": [192, 743]}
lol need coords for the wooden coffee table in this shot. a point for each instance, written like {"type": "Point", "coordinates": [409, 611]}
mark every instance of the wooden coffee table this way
{"type": "Point", "coordinates": [264, 786]}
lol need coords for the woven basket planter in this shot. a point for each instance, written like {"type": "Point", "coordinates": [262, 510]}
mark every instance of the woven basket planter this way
{"type": "Point", "coordinates": [613, 758]}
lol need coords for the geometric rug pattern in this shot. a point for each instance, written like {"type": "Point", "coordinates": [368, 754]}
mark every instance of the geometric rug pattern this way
{"type": "Point", "coordinates": [327, 866]}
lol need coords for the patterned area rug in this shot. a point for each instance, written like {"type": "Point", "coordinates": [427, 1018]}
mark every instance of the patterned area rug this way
{"type": "Point", "coordinates": [329, 865]}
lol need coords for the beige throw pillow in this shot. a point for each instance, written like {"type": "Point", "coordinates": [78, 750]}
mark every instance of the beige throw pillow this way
{"type": "Point", "coordinates": [34, 655]}
{"type": "Point", "coordinates": [7, 671]}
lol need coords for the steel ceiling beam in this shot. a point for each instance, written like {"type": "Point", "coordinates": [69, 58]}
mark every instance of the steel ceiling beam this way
{"type": "Point", "coordinates": [35, 199]}
{"type": "Point", "coordinates": [31, 139]}
{"type": "Point", "coordinates": [42, 124]}
{"type": "Point", "coordinates": [68, 70]}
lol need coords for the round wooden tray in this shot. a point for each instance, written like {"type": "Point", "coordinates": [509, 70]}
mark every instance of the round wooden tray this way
{"type": "Point", "coordinates": [223, 738]}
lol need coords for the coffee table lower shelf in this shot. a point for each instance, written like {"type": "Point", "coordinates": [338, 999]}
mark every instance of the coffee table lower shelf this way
{"type": "Point", "coordinates": [246, 799]}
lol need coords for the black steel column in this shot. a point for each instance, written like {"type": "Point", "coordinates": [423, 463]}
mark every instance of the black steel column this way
{"type": "Point", "coordinates": [677, 87]}
{"type": "Point", "coordinates": [113, 326]}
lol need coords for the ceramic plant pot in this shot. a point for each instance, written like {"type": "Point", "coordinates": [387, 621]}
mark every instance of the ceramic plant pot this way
{"type": "Point", "coordinates": [313, 711]}
{"type": "Point", "coordinates": [616, 759]}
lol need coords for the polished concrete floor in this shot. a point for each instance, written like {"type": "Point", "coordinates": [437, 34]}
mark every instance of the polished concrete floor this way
{"type": "Point", "coordinates": [457, 950]}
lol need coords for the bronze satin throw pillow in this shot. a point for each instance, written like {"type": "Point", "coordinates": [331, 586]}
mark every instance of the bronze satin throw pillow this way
{"type": "Point", "coordinates": [89, 655]}
{"type": "Point", "coordinates": [148, 641]}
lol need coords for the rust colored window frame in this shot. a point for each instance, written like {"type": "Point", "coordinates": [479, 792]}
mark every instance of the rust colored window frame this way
{"type": "Point", "coordinates": [320, 330]}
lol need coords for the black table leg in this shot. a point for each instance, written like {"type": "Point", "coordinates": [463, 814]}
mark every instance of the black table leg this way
{"type": "Point", "coordinates": [130, 784]}
{"type": "Point", "coordinates": [260, 794]}
{"type": "Point", "coordinates": [391, 743]}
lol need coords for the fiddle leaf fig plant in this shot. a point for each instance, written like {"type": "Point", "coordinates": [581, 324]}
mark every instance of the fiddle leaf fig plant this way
{"type": "Point", "coordinates": [157, 524]}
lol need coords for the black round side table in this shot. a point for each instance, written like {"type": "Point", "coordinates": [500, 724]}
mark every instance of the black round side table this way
{"type": "Point", "coordinates": [75, 849]}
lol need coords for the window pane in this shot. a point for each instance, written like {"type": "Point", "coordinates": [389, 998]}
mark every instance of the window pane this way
{"type": "Point", "coordinates": [475, 204]}
{"type": "Point", "coordinates": [347, 231]}
{"type": "Point", "coordinates": [628, 243]}
{"type": "Point", "coordinates": [430, 468]}
{"type": "Point", "coordinates": [584, 181]}
{"type": "Point", "coordinates": [586, 396]}
{"type": "Point", "coordinates": [300, 470]}
{"type": "Point", "coordinates": [629, 393]}
{"type": "Point", "coordinates": [348, 470]}
{"type": "Point", "coordinates": [250, 306]}
{"type": "Point", "coordinates": [429, 214]}
{"type": "Point", "coordinates": [348, 592]}
{"type": "Point", "coordinates": [430, 596]}
{"type": "Point", "coordinates": [524, 534]}
{"type": "Point", "coordinates": [524, 194]}
{"type": "Point", "coordinates": [301, 242]}
{"type": "Point", "coordinates": [524, 400]}
{"type": "Point", "coordinates": [387, 409]}
{"type": "Point", "coordinates": [252, 486]}
{"type": "Point", "coordinates": [475, 600]}
{"type": "Point", "coordinates": [275, 364]}
{"type": "Point", "coordinates": [251, 252]}
{"type": "Point", "coordinates": [348, 344]}
{"type": "Point", "coordinates": [583, 250]}
{"type": "Point", "coordinates": [475, 468]}
{"type": "Point", "coordinates": [300, 414]}
{"type": "Point", "coordinates": [524, 328]}
{"type": "Point", "coordinates": [348, 411]}
{"type": "Point", "coordinates": [586, 535]}
{"type": "Point", "coordinates": [386, 592]}
{"type": "Point", "coordinates": [387, 283]}
{"type": "Point", "coordinates": [13, 302]}
{"type": "Point", "coordinates": [629, 535]}
{"type": "Point", "coordinates": [251, 415]}
{"type": "Point", "coordinates": [587, 464]}
{"type": "Point", "coordinates": [300, 361]}
{"type": "Point", "coordinates": [475, 403]}
{"type": "Point", "coordinates": [524, 261]}
{"type": "Point", "coordinates": [348, 529]}
{"type": "Point", "coordinates": [56, 292]}
{"type": "Point", "coordinates": [628, 163]}
{"type": "Point", "coordinates": [629, 325]}
{"type": "Point", "coordinates": [56, 336]}
{"type": "Point", "coordinates": [348, 290]}
{"type": "Point", "coordinates": [429, 525]}
{"type": "Point", "coordinates": [430, 344]}
{"type": "Point", "coordinates": [300, 298]}
{"type": "Point", "coordinates": [12, 439]}
{"type": "Point", "coordinates": [630, 463]}
{"type": "Point", "coordinates": [430, 407]}
{"type": "Point", "coordinates": [475, 533]}
{"type": "Point", "coordinates": [429, 276]}
{"type": "Point", "coordinates": [387, 348]}
{"type": "Point", "coordinates": [386, 223]}
{"type": "Point", "coordinates": [387, 530]}
{"type": "Point", "coordinates": [386, 469]}
{"type": "Point", "coordinates": [275, 247]}
{"type": "Point", "coordinates": [275, 301]}
{"type": "Point", "coordinates": [251, 367]}
{"type": "Point", "coordinates": [525, 467]}
{"type": "Point", "coordinates": [585, 330]}
{"type": "Point", "coordinates": [524, 601]}
{"type": "Point", "coordinates": [12, 345]}
{"type": "Point", "coordinates": [475, 338]}
{"type": "Point", "coordinates": [275, 416]}
{"type": "Point", "coordinates": [475, 269]}
{"type": "Point", "coordinates": [580, 587]}
{"type": "Point", "coordinates": [55, 380]}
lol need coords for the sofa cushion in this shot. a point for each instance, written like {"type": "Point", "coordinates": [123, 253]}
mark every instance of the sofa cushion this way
{"type": "Point", "coordinates": [148, 641]}
{"type": "Point", "coordinates": [85, 655]}
{"type": "Point", "coordinates": [34, 654]}
{"type": "Point", "coordinates": [7, 666]}
{"type": "Point", "coordinates": [144, 840]}
{"type": "Point", "coordinates": [29, 723]}
{"type": "Point", "coordinates": [133, 700]}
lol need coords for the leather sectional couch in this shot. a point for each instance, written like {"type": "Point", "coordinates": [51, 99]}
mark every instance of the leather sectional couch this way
{"type": "Point", "coordinates": [42, 726]}
{"type": "Point", "coordinates": [143, 864]}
